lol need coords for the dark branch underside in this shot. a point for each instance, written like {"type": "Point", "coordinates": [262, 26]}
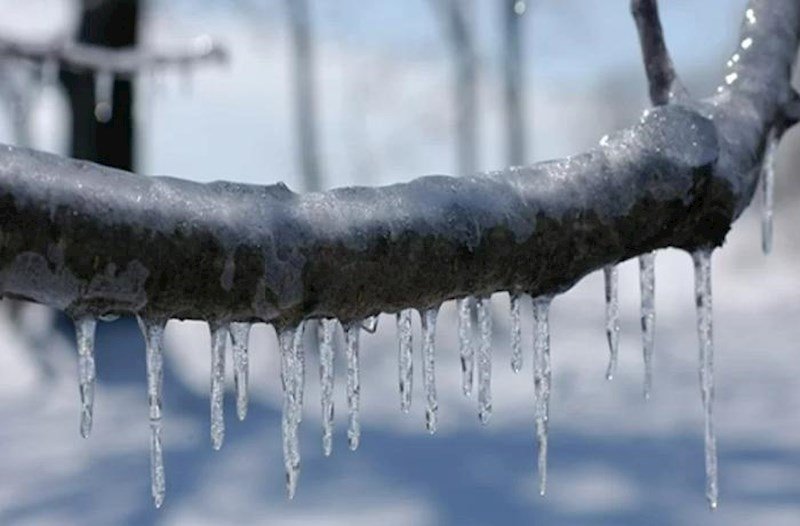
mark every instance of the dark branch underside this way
{"type": "Point", "coordinates": [90, 239]}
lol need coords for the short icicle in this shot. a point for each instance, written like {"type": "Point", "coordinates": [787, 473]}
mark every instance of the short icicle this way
{"type": "Point", "coordinates": [153, 331]}
{"type": "Point", "coordinates": [219, 340]}
{"type": "Point", "coordinates": [542, 377]}
{"type": "Point", "coordinates": [405, 363]}
{"type": "Point", "coordinates": [768, 192]}
{"type": "Point", "coordinates": [611, 274]}
{"type": "Point", "coordinates": [647, 285]}
{"type": "Point", "coordinates": [351, 335]}
{"type": "Point", "coordinates": [85, 327]}
{"type": "Point", "coordinates": [325, 331]}
{"type": "Point", "coordinates": [483, 306]}
{"type": "Point", "coordinates": [291, 408]}
{"type": "Point", "coordinates": [240, 336]}
{"type": "Point", "coordinates": [104, 96]}
{"type": "Point", "coordinates": [702, 276]}
{"type": "Point", "coordinates": [429, 367]}
{"type": "Point", "coordinates": [516, 332]}
{"type": "Point", "coordinates": [466, 351]}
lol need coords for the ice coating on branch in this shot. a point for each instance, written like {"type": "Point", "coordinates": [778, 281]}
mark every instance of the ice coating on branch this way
{"type": "Point", "coordinates": [611, 274]}
{"type": "Point", "coordinates": [768, 192]}
{"type": "Point", "coordinates": [405, 363]}
{"type": "Point", "coordinates": [84, 335]}
{"type": "Point", "coordinates": [153, 332]}
{"type": "Point", "coordinates": [351, 334]}
{"type": "Point", "coordinates": [219, 340]}
{"type": "Point", "coordinates": [429, 367]}
{"type": "Point", "coordinates": [483, 306]}
{"type": "Point", "coordinates": [325, 331]}
{"type": "Point", "coordinates": [240, 336]}
{"type": "Point", "coordinates": [702, 288]}
{"type": "Point", "coordinates": [647, 285]}
{"type": "Point", "coordinates": [465, 349]}
{"type": "Point", "coordinates": [291, 407]}
{"type": "Point", "coordinates": [516, 332]}
{"type": "Point", "coordinates": [103, 96]}
{"type": "Point", "coordinates": [541, 381]}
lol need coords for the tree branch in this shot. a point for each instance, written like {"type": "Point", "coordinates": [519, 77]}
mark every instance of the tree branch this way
{"type": "Point", "coordinates": [117, 61]}
{"type": "Point", "coordinates": [94, 240]}
{"type": "Point", "coordinates": [661, 76]}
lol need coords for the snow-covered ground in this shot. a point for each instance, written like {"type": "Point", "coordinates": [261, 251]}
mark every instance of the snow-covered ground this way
{"type": "Point", "coordinates": [614, 458]}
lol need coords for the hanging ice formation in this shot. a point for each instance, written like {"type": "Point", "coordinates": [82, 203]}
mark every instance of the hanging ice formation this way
{"type": "Point", "coordinates": [542, 381]}
{"type": "Point", "coordinates": [325, 334]}
{"type": "Point", "coordinates": [516, 332]}
{"type": "Point", "coordinates": [103, 96]}
{"type": "Point", "coordinates": [768, 192]}
{"type": "Point", "coordinates": [153, 331]}
{"type": "Point", "coordinates": [240, 336]}
{"type": "Point", "coordinates": [702, 277]}
{"type": "Point", "coordinates": [647, 284]}
{"type": "Point", "coordinates": [291, 378]}
{"type": "Point", "coordinates": [612, 317]}
{"type": "Point", "coordinates": [351, 336]}
{"type": "Point", "coordinates": [84, 334]}
{"type": "Point", "coordinates": [466, 350]}
{"type": "Point", "coordinates": [483, 306]}
{"type": "Point", "coordinates": [405, 364]}
{"type": "Point", "coordinates": [429, 367]}
{"type": "Point", "coordinates": [219, 339]}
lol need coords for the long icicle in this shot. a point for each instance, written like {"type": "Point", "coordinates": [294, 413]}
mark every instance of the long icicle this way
{"type": "Point", "coordinates": [325, 331]}
{"type": "Point", "coordinates": [153, 332]}
{"type": "Point", "coordinates": [542, 377]}
{"type": "Point", "coordinates": [300, 371]}
{"type": "Point", "coordinates": [289, 420]}
{"type": "Point", "coordinates": [465, 348]}
{"type": "Point", "coordinates": [84, 334]}
{"type": "Point", "coordinates": [768, 192]}
{"type": "Point", "coordinates": [351, 336]}
{"type": "Point", "coordinates": [483, 306]}
{"type": "Point", "coordinates": [240, 336]}
{"type": "Point", "coordinates": [647, 285]}
{"type": "Point", "coordinates": [516, 332]}
{"type": "Point", "coordinates": [219, 340]}
{"type": "Point", "coordinates": [405, 363]}
{"type": "Point", "coordinates": [702, 287]}
{"type": "Point", "coordinates": [611, 274]}
{"type": "Point", "coordinates": [429, 367]}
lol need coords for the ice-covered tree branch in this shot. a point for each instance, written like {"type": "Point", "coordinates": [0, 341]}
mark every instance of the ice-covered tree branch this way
{"type": "Point", "coordinates": [123, 62]}
{"type": "Point", "coordinates": [94, 240]}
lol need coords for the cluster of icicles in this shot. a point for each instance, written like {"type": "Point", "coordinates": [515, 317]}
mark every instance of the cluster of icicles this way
{"type": "Point", "coordinates": [472, 354]}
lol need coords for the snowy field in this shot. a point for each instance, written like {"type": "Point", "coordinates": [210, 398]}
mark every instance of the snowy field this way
{"type": "Point", "coordinates": [614, 458]}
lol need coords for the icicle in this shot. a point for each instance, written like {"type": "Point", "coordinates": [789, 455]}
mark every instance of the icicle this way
{"type": "Point", "coordinates": [219, 339]}
{"type": "Point", "coordinates": [483, 306]}
{"type": "Point", "coordinates": [429, 367]}
{"type": "Point", "coordinates": [291, 410]}
{"type": "Point", "coordinates": [768, 192]}
{"type": "Point", "coordinates": [104, 96]}
{"type": "Point", "coordinates": [370, 324]}
{"type": "Point", "coordinates": [647, 284]}
{"type": "Point", "coordinates": [516, 333]}
{"type": "Point", "coordinates": [702, 287]}
{"type": "Point", "coordinates": [84, 333]}
{"type": "Point", "coordinates": [542, 381]}
{"type": "Point", "coordinates": [351, 335]}
{"type": "Point", "coordinates": [466, 350]}
{"type": "Point", "coordinates": [153, 331]}
{"type": "Point", "coordinates": [325, 334]}
{"type": "Point", "coordinates": [48, 73]}
{"type": "Point", "coordinates": [240, 335]}
{"type": "Point", "coordinates": [611, 274]}
{"type": "Point", "coordinates": [300, 372]}
{"type": "Point", "coordinates": [405, 363]}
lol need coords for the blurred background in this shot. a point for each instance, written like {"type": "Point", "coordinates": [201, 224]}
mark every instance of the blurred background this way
{"type": "Point", "coordinates": [324, 93]}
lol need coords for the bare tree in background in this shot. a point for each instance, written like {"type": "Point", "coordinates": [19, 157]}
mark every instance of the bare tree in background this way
{"type": "Point", "coordinates": [513, 76]}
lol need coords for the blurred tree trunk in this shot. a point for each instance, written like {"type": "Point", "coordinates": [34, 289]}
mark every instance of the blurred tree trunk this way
{"type": "Point", "coordinates": [305, 104]}
{"type": "Point", "coordinates": [111, 23]}
{"type": "Point", "coordinates": [513, 11]}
